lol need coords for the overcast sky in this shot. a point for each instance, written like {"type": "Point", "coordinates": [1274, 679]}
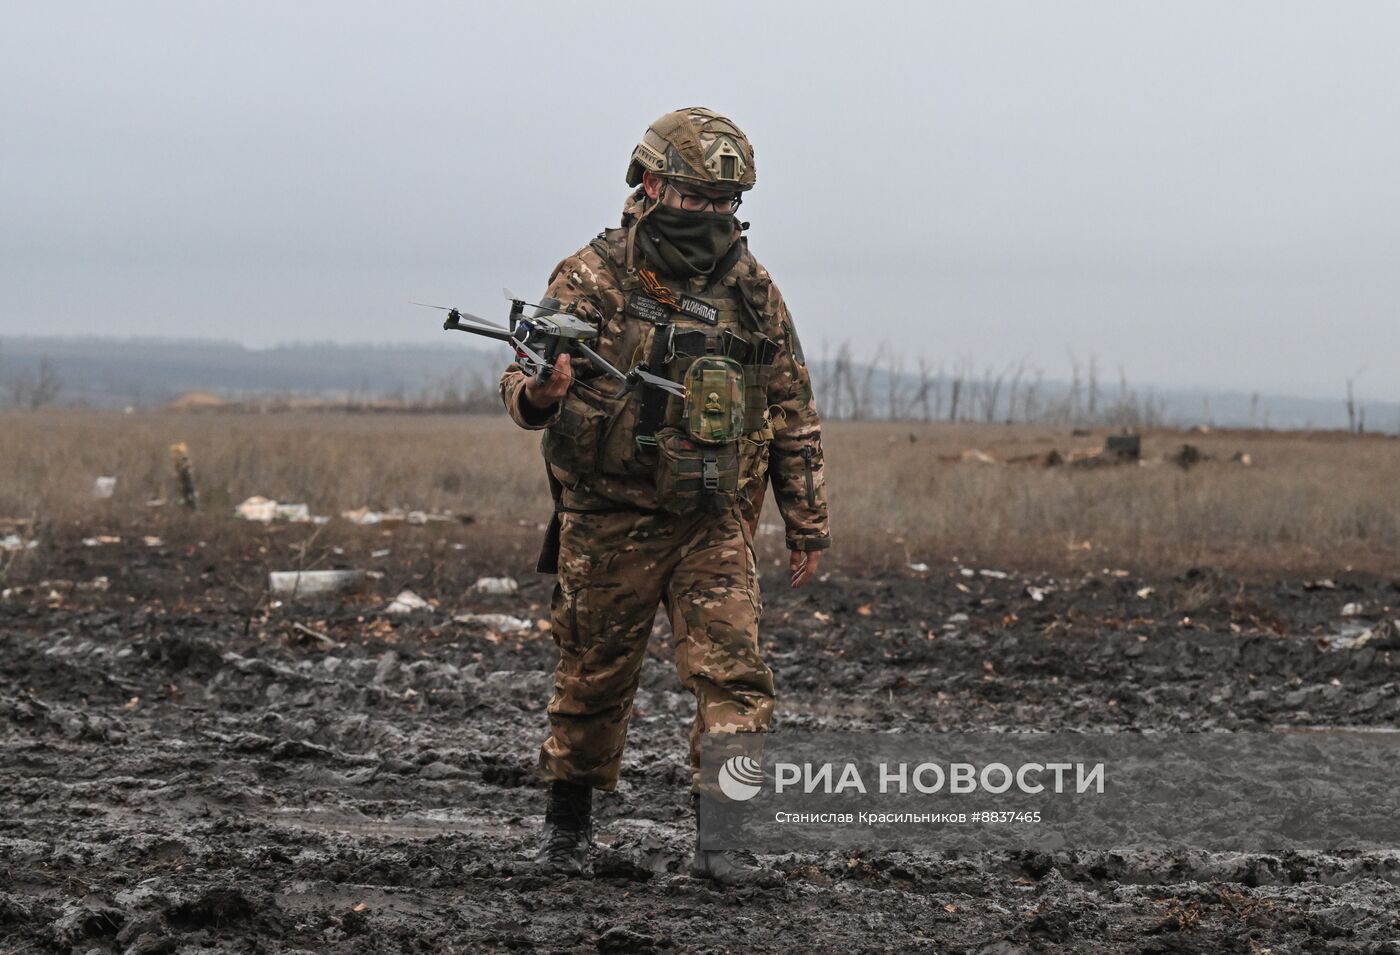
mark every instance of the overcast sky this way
{"type": "Point", "coordinates": [1202, 193]}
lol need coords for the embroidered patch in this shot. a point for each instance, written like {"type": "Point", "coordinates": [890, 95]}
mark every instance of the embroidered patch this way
{"type": "Point", "coordinates": [699, 308]}
{"type": "Point", "coordinates": [648, 309]}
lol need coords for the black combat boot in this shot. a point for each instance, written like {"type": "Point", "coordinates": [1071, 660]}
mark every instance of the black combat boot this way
{"type": "Point", "coordinates": [731, 867]}
{"type": "Point", "coordinates": [568, 829]}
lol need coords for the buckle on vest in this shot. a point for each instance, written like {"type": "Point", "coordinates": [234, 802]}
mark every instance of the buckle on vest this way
{"type": "Point", "coordinates": [710, 475]}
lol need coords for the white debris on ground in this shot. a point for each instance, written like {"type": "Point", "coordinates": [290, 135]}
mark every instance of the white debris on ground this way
{"type": "Point", "coordinates": [393, 517]}
{"type": "Point", "coordinates": [104, 487]}
{"type": "Point", "coordinates": [1354, 636]}
{"type": "Point", "coordinates": [265, 511]}
{"type": "Point", "coordinates": [1352, 610]}
{"type": "Point", "coordinates": [1383, 636]}
{"type": "Point", "coordinates": [101, 539]}
{"type": "Point", "coordinates": [497, 586]}
{"type": "Point", "coordinates": [500, 622]}
{"type": "Point", "coordinates": [13, 542]}
{"type": "Point", "coordinates": [314, 583]}
{"type": "Point", "coordinates": [407, 602]}
{"type": "Point", "coordinates": [919, 568]}
{"type": "Point", "coordinates": [977, 456]}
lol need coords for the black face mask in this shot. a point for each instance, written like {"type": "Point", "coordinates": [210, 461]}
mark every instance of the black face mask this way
{"type": "Point", "coordinates": [690, 243]}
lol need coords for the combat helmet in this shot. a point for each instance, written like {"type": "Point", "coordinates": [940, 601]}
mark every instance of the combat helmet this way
{"type": "Point", "coordinates": [695, 145]}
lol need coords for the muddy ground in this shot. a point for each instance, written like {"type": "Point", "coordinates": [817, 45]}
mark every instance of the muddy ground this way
{"type": "Point", "coordinates": [187, 766]}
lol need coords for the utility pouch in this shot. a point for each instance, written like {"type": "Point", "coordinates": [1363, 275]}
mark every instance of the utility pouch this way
{"type": "Point", "coordinates": [697, 467]}
{"type": "Point", "coordinates": [693, 477]}
{"type": "Point", "coordinates": [714, 400]}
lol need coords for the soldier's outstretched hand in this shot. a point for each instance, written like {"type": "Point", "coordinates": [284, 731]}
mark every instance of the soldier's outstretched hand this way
{"type": "Point", "coordinates": [804, 564]}
{"type": "Point", "coordinates": [543, 392]}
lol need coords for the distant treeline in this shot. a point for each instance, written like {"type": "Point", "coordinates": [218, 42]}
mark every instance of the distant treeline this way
{"type": "Point", "coordinates": [37, 372]}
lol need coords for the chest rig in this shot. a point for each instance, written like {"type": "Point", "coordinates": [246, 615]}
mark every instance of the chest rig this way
{"type": "Point", "coordinates": [704, 449]}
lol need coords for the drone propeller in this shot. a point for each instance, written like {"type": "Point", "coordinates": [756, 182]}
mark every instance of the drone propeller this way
{"type": "Point", "coordinates": [541, 310]}
{"type": "Point", "coordinates": [665, 384]}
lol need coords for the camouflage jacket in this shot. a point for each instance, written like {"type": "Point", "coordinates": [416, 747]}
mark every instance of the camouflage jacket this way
{"type": "Point", "coordinates": [589, 283]}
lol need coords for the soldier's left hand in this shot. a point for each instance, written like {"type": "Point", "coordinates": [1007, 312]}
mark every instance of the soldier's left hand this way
{"type": "Point", "coordinates": [804, 564]}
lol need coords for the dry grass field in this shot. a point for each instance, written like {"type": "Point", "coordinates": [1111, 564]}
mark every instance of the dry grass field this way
{"type": "Point", "coordinates": [1306, 502]}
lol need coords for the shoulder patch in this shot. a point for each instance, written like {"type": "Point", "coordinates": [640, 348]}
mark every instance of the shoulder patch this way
{"type": "Point", "coordinates": [647, 308]}
{"type": "Point", "coordinates": [699, 308]}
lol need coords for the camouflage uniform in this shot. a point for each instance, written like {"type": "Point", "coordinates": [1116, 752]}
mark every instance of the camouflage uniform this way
{"type": "Point", "coordinates": [620, 554]}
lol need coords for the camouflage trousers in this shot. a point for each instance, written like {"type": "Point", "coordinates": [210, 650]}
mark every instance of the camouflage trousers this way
{"type": "Point", "coordinates": [614, 571]}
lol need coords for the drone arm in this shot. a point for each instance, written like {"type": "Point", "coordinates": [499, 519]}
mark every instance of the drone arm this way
{"type": "Point", "coordinates": [476, 326]}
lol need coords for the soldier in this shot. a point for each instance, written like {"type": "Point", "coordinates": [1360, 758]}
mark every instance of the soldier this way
{"type": "Point", "coordinates": [657, 498]}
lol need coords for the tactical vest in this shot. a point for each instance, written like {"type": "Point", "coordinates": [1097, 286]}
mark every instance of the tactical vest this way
{"type": "Point", "coordinates": [705, 450]}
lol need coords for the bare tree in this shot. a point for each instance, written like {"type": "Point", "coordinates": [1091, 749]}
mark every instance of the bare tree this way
{"type": "Point", "coordinates": [1093, 387]}
{"type": "Point", "coordinates": [1354, 423]}
{"type": "Point", "coordinates": [990, 392]}
{"type": "Point", "coordinates": [47, 384]}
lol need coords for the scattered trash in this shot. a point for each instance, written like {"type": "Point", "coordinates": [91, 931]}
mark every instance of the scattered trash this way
{"type": "Point", "coordinates": [383, 552]}
{"type": "Point", "coordinates": [1145, 592]}
{"type": "Point", "coordinates": [266, 511]}
{"type": "Point", "coordinates": [296, 513]}
{"type": "Point", "coordinates": [407, 602]}
{"type": "Point", "coordinates": [1352, 610]}
{"type": "Point", "coordinates": [435, 517]}
{"type": "Point", "coordinates": [395, 517]}
{"type": "Point", "coordinates": [958, 618]}
{"type": "Point", "coordinates": [150, 541]}
{"type": "Point", "coordinates": [314, 634]}
{"type": "Point", "coordinates": [100, 539]}
{"type": "Point", "coordinates": [994, 574]}
{"type": "Point", "coordinates": [13, 542]}
{"type": "Point", "coordinates": [967, 571]}
{"type": "Point", "coordinates": [919, 568]}
{"type": "Point", "coordinates": [498, 586]}
{"type": "Point", "coordinates": [104, 487]}
{"type": "Point", "coordinates": [500, 622]}
{"type": "Point", "coordinates": [98, 585]}
{"type": "Point", "coordinates": [1118, 449]}
{"type": "Point", "coordinates": [314, 583]}
{"type": "Point", "coordinates": [1326, 583]}
{"type": "Point", "coordinates": [257, 509]}
{"type": "Point", "coordinates": [1036, 593]}
{"type": "Point", "coordinates": [1384, 636]}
